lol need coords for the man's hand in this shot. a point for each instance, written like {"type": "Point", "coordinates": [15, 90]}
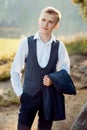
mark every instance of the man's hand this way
{"type": "Point", "coordinates": [47, 81]}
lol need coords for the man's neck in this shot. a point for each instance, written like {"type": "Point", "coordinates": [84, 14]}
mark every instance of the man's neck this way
{"type": "Point", "coordinates": [44, 37]}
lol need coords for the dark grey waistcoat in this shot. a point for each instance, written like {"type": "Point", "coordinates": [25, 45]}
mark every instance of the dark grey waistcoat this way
{"type": "Point", "coordinates": [33, 80]}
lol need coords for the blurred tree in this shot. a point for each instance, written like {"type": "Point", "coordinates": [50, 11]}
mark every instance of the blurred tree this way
{"type": "Point", "coordinates": [83, 7]}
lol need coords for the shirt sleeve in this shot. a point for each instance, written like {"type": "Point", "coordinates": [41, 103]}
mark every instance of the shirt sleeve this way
{"type": "Point", "coordinates": [17, 66]}
{"type": "Point", "coordinates": [63, 58]}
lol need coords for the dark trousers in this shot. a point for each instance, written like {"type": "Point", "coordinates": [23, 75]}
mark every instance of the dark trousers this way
{"type": "Point", "coordinates": [28, 109]}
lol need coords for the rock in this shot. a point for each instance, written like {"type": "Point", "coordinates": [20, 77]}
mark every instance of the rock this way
{"type": "Point", "coordinates": [79, 71]}
{"type": "Point", "coordinates": [84, 78]}
{"type": "Point", "coordinates": [81, 121]}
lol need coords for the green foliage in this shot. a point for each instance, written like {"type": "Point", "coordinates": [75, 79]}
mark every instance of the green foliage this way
{"type": "Point", "coordinates": [77, 47]}
{"type": "Point", "coordinates": [76, 44]}
{"type": "Point", "coordinates": [77, 1]}
{"type": "Point", "coordinates": [83, 7]}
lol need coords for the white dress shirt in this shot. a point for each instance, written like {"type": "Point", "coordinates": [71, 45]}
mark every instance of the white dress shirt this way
{"type": "Point", "coordinates": [43, 54]}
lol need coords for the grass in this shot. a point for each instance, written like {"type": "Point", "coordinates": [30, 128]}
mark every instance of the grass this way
{"type": "Point", "coordinates": [76, 44]}
{"type": "Point", "coordinates": [77, 47]}
{"type": "Point", "coordinates": [5, 71]}
{"type": "Point", "coordinates": [8, 47]}
{"type": "Point", "coordinates": [8, 98]}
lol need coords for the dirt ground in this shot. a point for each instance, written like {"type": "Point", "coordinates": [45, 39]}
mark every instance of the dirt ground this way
{"type": "Point", "coordinates": [8, 115]}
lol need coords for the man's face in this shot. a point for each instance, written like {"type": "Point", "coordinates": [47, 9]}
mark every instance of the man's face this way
{"type": "Point", "coordinates": [47, 22]}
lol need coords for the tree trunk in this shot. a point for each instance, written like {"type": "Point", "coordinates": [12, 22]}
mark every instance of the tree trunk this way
{"type": "Point", "coordinates": [81, 121]}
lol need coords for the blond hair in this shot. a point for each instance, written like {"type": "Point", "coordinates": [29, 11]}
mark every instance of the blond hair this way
{"type": "Point", "coordinates": [53, 11]}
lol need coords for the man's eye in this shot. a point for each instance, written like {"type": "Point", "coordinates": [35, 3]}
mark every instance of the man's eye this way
{"type": "Point", "coordinates": [43, 20]}
{"type": "Point", "coordinates": [50, 22]}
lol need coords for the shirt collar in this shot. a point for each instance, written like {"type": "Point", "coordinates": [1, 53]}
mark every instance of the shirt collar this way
{"type": "Point", "coordinates": [37, 36]}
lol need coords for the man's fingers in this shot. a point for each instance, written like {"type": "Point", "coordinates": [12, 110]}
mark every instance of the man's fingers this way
{"type": "Point", "coordinates": [46, 80]}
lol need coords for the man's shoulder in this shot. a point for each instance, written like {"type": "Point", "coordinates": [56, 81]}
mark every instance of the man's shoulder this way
{"type": "Point", "coordinates": [30, 37]}
{"type": "Point", "coordinates": [57, 41]}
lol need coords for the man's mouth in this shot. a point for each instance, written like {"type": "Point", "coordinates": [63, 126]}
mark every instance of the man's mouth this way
{"type": "Point", "coordinates": [45, 28]}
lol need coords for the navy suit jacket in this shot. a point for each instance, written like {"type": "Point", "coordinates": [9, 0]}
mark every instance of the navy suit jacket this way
{"type": "Point", "coordinates": [53, 96]}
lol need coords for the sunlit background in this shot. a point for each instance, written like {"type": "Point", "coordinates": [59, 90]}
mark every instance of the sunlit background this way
{"type": "Point", "coordinates": [19, 17]}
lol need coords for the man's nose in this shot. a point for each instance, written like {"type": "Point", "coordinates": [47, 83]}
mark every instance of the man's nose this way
{"type": "Point", "coordinates": [46, 24]}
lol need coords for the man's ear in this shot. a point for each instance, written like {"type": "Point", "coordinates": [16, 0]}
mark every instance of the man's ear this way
{"type": "Point", "coordinates": [57, 26]}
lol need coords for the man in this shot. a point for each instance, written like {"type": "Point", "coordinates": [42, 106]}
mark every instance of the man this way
{"type": "Point", "coordinates": [42, 54]}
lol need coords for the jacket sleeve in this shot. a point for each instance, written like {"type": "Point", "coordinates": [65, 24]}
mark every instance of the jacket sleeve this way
{"type": "Point", "coordinates": [63, 82]}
